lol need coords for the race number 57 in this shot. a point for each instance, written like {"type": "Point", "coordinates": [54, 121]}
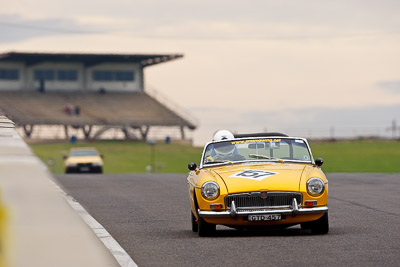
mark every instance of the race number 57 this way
{"type": "Point", "coordinates": [253, 174]}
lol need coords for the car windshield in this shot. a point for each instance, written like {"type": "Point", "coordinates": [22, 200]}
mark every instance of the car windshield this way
{"type": "Point", "coordinates": [80, 153]}
{"type": "Point", "coordinates": [257, 149]}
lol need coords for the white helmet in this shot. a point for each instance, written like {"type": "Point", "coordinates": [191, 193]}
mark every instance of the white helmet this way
{"type": "Point", "coordinates": [223, 135]}
{"type": "Point", "coordinates": [225, 148]}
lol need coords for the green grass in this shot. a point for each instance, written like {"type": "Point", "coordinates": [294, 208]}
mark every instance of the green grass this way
{"type": "Point", "coordinates": [127, 157]}
{"type": "Point", "coordinates": [358, 156]}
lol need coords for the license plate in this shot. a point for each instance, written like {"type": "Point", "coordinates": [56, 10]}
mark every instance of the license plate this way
{"type": "Point", "coordinates": [266, 217]}
{"type": "Point", "coordinates": [84, 169]}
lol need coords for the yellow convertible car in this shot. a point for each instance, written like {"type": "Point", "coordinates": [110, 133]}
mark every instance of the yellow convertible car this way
{"type": "Point", "coordinates": [83, 159]}
{"type": "Point", "coordinates": [257, 180]}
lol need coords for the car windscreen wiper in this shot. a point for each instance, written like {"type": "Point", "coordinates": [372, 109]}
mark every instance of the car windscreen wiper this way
{"type": "Point", "coordinates": [265, 157]}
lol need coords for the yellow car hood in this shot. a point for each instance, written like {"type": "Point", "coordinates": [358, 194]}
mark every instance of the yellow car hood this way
{"type": "Point", "coordinates": [271, 177]}
{"type": "Point", "coordinates": [84, 159]}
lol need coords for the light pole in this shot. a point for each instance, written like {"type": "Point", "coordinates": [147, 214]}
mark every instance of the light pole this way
{"type": "Point", "coordinates": [152, 144]}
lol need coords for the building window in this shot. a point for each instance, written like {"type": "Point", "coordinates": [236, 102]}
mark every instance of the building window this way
{"type": "Point", "coordinates": [47, 75]}
{"type": "Point", "coordinates": [67, 75]}
{"type": "Point", "coordinates": [9, 74]}
{"type": "Point", "coordinates": [104, 75]}
{"type": "Point", "coordinates": [99, 75]}
{"type": "Point", "coordinates": [124, 75]}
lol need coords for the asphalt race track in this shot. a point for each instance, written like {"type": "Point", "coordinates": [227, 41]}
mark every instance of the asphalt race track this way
{"type": "Point", "coordinates": [149, 215]}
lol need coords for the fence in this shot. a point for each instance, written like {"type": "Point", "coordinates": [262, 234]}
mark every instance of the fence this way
{"type": "Point", "coordinates": [345, 132]}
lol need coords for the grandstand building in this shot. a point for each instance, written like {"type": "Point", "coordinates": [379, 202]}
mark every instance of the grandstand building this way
{"type": "Point", "coordinates": [90, 92]}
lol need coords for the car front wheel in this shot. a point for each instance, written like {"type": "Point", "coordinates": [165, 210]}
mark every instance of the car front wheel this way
{"type": "Point", "coordinates": [205, 228]}
{"type": "Point", "coordinates": [320, 226]}
{"type": "Point", "coordinates": [195, 225]}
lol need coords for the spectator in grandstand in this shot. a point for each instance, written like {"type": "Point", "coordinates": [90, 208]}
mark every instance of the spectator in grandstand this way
{"type": "Point", "coordinates": [77, 110]}
{"type": "Point", "coordinates": [68, 109]}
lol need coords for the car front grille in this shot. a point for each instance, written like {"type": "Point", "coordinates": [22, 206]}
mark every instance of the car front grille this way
{"type": "Point", "coordinates": [253, 200]}
{"type": "Point", "coordinates": [89, 165]}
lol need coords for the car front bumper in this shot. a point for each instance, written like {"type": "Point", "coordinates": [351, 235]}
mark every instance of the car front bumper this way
{"type": "Point", "coordinates": [83, 168]}
{"type": "Point", "coordinates": [241, 212]}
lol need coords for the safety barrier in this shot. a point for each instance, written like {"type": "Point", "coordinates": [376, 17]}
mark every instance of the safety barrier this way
{"type": "Point", "coordinates": [3, 233]}
{"type": "Point", "coordinates": [37, 225]}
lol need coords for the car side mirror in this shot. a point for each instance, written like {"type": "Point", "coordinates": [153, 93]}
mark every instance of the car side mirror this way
{"type": "Point", "coordinates": [319, 162]}
{"type": "Point", "coordinates": [192, 166]}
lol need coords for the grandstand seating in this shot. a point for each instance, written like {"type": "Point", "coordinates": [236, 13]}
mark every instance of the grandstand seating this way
{"type": "Point", "coordinates": [108, 109]}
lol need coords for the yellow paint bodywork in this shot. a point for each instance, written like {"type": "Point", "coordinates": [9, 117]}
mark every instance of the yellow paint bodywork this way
{"type": "Point", "coordinates": [291, 177]}
{"type": "Point", "coordinates": [84, 159]}
{"type": "Point", "coordinates": [3, 234]}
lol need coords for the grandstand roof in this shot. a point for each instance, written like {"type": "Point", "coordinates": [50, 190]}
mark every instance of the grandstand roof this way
{"type": "Point", "coordinates": [111, 108]}
{"type": "Point", "coordinates": [88, 59]}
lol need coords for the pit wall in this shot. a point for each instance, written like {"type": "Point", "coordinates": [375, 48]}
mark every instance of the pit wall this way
{"type": "Point", "coordinates": [37, 225]}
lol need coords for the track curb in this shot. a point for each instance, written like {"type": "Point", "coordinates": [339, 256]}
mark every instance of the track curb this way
{"type": "Point", "coordinates": [122, 257]}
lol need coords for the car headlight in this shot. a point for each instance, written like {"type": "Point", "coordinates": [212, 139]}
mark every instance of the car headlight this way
{"type": "Point", "coordinates": [72, 165]}
{"type": "Point", "coordinates": [210, 190]}
{"type": "Point", "coordinates": [97, 164]}
{"type": "Point", "coordinates": [315, 186]}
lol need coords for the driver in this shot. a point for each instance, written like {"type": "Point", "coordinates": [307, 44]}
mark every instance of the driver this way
{"type": "Point", "coordinates": [224, 150]}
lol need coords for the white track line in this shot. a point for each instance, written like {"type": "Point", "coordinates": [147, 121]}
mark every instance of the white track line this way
{"type": "Point", "coordinates": [109, 242]}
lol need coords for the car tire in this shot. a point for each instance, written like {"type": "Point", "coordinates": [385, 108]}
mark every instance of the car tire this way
{"type": "Point", "coordinates": [195, 225]}
{"type": "Point", "coordinates": [320, 226]}
{"type": "Point", "coordinates": [205, 228]}
{"type": "Point", "coordinates": [305, 226]}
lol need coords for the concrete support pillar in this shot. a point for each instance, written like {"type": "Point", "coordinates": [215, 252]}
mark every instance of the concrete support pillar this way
{"type": "Point", "coordinates": [182, 133]}
{"type": "Point", "coordinates": [87, 130]}
{"type": "Point", "coordinates": [28, 130]}
{"type": "Point", "coordinates": [66, 132]}
{"type": "Point", "coordinates": [144, 130]}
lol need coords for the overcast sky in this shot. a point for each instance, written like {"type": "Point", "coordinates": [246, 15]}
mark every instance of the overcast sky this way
{"type": "Point", "coordinates": [297, 66]}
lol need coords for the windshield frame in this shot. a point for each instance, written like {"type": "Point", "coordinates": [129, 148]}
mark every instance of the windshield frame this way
{"type": "Point", "coordinates": [81, 153]}
{"type": "Point", "coordinates": [256, 161]}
